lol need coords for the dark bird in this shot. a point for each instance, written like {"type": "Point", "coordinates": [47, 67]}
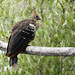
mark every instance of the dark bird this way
{"type": "Point", "coordinates": [22, 33]}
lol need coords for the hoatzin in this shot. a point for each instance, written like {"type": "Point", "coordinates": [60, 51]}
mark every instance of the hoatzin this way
{"type": "Point", "coordinates": [22, 33]}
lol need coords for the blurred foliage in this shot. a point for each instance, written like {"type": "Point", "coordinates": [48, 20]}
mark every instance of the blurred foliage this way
{"type": "Point", "coordinates": [57, 29]}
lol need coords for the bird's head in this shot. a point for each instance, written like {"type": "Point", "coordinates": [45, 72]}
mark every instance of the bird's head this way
{"type": "Point", "coordinates": [36, 16]}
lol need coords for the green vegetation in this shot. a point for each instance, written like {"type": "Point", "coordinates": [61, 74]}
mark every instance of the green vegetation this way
{"type": "Point", "coordinates": [56, 30]}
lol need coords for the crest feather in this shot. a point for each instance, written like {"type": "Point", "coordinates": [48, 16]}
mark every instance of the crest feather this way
{"type": "Point", "coordinates": [34, 14]}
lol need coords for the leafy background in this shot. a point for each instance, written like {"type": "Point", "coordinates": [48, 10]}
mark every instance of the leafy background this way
{"type": "Point", "coordinates": [57, 29]}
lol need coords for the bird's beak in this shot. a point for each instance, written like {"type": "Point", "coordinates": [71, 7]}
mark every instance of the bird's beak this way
{"type": "Point", "coordinates": [39, 18]}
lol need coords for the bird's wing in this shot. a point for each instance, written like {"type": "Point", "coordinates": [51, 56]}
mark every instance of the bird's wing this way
{"type": "Point", "coordinates": [19, 40]}
{"type": "Point", "coordinates": [17, 27]}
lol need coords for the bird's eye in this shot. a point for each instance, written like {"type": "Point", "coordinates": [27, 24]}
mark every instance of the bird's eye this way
{"type": "Point", "coordinates": [35, 17]}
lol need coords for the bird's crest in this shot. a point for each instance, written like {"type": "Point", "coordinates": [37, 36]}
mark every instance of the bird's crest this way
{"type": "Point", "coordinates": [34, 14]}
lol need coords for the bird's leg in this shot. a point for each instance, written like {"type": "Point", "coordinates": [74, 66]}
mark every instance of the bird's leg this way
{"type": "Point", "coordinates": [24, 49]}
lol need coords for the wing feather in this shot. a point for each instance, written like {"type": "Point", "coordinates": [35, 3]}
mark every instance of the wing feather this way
{"type": "Point", "coordinates": [19, 39]}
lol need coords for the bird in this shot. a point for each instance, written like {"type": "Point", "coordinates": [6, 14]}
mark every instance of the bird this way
{"type": "Point", "coordinates": [22, 33]}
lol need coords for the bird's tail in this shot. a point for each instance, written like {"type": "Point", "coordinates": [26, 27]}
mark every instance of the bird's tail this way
{"type": "Point", "coordinates": [13, 62]}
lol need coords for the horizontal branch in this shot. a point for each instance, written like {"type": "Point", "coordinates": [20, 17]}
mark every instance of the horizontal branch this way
{"type": "Point", "coordinates": [47, 51]}
{"type": "Point", "coordinates": [3, 45]}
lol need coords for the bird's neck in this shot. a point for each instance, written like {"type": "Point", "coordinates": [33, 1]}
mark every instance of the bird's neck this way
{"type": "Point", "coordinates": [37, 24]}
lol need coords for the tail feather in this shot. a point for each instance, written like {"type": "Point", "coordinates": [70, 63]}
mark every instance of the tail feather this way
{"type": "Point", "coordinates": [13, 61]}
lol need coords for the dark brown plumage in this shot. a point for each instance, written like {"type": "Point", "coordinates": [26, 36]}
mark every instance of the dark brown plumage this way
{"type": "Point", "coordinates": [22, 33]}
